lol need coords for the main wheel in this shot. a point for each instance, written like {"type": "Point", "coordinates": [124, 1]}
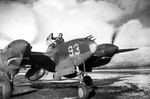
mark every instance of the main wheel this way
{"type": "Point", "coordinates": [5, 86]}
{"type": "Point", "coordinates": [83, 92]}
{"type": "Point", "coordinates": [88, 80]}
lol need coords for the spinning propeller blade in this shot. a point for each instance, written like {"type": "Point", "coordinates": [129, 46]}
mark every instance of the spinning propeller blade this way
{"type": "Point", "coordinates": [114, 36]}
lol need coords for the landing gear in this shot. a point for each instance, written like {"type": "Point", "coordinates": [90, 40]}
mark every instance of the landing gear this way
{"type": "Point", "coordinates": [83, 91]}
{"type": "Point", "coordinates": [88, 80]}
{"type": "Point", "coordinates": [84, 87]}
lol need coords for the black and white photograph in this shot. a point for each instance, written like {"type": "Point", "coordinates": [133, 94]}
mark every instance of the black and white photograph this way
{"type": "Point", "coordinates": [74, 49]}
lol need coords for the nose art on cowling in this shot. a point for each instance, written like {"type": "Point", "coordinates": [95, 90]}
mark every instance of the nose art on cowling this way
{"type": "Point", "coordinates": [93, 47]}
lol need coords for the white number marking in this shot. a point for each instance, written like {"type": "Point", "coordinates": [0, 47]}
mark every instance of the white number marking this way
{"type": "Point", "coordinates": [74, 50]}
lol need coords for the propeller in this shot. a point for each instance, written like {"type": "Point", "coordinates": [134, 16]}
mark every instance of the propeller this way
{"type": "Point", "coordinates": [114, 36]}
{"type": "Point", "coordinates": [109, 50]}
{"type": "Point", "coordinates": [120, 50]}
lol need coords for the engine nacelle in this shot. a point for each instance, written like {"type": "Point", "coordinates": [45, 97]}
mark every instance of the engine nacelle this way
{"type": "Point", "coordinates": [34, 73]}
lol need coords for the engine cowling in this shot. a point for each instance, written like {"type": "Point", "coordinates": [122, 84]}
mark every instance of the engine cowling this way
{"type": "Point", "coordinates": [34, 74]}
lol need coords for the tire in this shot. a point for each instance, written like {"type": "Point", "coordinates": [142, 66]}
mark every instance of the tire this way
{"type": "Point", "coordinates": [5, 86]}
{"type": "Point", "coordinates": [88, 80]}
{"type": "Point", "coordinates": [83, 92]}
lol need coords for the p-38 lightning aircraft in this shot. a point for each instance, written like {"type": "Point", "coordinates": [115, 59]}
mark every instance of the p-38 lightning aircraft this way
{"type": "Point", "coordinates": [69, 59]}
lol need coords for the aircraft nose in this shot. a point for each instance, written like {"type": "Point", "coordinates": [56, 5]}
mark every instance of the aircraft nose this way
{"type": "Point", "coordinates": [25, 47]}
{"type": "Point", "coordinates": [111, 50]}
{"type": "Point", "coordinates": [93, 47]}
{"type": "Point", "coordinates": [106, 50]}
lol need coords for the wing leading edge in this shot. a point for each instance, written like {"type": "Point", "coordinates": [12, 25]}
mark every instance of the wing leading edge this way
{"type": "Point", "coordinates": [126, 50]}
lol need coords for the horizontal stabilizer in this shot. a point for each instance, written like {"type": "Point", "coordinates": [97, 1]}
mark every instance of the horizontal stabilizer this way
{"type": "Point", "coordinates": [126, 50]}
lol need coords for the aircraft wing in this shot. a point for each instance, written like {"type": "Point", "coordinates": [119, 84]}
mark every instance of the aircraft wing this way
{"type": "Point", "coordinates": [38, 63]}
{"type": "Point", "coordinates": [126, 50]}
{"type": "Point", "coordinates": [41, 60]}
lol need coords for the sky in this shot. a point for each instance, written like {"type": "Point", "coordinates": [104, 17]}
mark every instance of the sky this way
{"type": "Point", "coordinates": [34, 20]}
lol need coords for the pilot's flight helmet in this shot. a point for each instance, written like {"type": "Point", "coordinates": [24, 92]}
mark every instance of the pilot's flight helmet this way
{"type": "Point", "coordinates": [60, 35]}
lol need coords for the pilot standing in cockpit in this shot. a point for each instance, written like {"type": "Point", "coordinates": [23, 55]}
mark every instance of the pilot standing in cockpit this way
{"type": "Point", "coordinates": [57, 41]}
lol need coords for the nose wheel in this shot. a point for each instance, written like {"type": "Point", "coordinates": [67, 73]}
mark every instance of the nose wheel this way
{"type": "Point", "coordinates": [83, 91]}
{"type": "Point", "coordinates": [85, 85]}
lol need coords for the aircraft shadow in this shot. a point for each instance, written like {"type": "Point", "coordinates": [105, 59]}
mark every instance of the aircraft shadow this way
{"type": "Point", "coordinates": [23, 93]}
{"type": "Point", "coordinates": [101, 87]}
{"type": "Point", "coordinates": [99, 84]}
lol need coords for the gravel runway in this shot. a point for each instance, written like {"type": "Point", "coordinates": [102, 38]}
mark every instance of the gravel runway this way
{"type": "Point", "coordinates": [108, 84]}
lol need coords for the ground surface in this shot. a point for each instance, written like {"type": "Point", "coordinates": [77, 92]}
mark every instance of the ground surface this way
{"type": "Point", "coordinates": [108, 84]}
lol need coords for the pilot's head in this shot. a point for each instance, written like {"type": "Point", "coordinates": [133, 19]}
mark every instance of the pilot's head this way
{"type": "Point", "coordinates": [60, 35]}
